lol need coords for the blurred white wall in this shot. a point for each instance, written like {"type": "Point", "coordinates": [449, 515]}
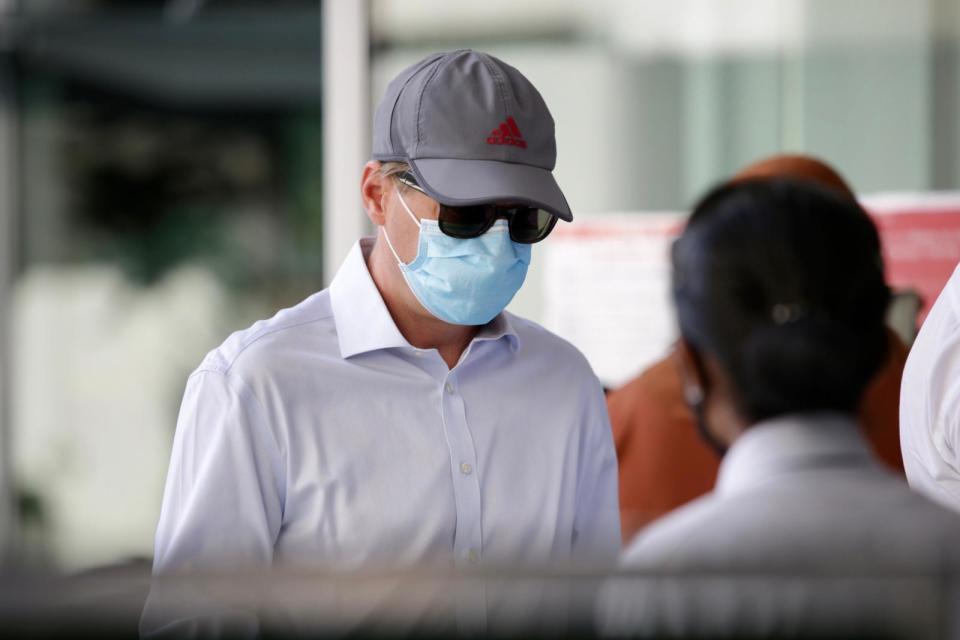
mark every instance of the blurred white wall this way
{"type": "Point", "coordinates": [100, 368]}
{"type": "Point", "coordinates": [346, 121]}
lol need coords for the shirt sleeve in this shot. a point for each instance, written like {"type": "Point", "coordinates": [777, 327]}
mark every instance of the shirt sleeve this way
{"type": "Point", "coordinates": [223, 501]}
{"type": "Point", "coordinates": [597, 521]}
{"type": "Point", "coordinates": [940, 480]}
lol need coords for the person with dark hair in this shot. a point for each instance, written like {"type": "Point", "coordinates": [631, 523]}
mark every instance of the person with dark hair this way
{"type": "Point", "coordinates": [663, 464]}
{"type": "Point", "coordinates": [780, 298]}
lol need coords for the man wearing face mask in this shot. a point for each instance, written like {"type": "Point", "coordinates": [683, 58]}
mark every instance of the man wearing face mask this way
{"type": "Point", "coordinates": [402, 416]}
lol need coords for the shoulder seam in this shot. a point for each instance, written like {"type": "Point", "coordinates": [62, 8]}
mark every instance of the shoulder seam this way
{"type": "Point", "coordinates": [264, 334]}
{"type": "Point", "coordinates": [205, 365]}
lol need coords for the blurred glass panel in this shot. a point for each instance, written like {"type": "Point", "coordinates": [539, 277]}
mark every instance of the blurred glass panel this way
{"type": "Point", "coordinates": [169, 179]}
{"type": "Point", "coordinates": [655, 101]}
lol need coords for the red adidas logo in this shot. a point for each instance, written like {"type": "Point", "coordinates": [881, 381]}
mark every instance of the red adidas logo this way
{"type": "Point", "coordinates": [507, 133]}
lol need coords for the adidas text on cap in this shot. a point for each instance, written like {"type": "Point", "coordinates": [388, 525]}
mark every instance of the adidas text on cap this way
{"type": "Point", "coordinates": [473, 130]}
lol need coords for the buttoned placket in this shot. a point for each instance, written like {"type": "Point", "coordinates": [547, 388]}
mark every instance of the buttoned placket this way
{"type": "Point", "coordinates": [464, 471]}
{"type": "Point", "coordinates": [468, 540]}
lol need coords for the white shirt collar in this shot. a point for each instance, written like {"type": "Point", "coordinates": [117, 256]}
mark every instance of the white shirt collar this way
{"type": "Point", "coordinates": [788, 444]}
{"type": "Point", "coordinates": [363, 322]}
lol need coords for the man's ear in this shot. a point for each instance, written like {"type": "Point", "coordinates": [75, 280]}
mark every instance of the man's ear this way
{"type": "Point", "coordinates": [691, 375]}
{"type": "Point", "coordinates": [373, 191]}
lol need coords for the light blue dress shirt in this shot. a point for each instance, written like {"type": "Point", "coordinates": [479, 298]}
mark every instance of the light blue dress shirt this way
{"type": "Point", "coordinates": [321, 437]}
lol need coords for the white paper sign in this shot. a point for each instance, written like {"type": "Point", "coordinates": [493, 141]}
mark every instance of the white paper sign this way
{"type": "Point", "coordinates": [606, 290]}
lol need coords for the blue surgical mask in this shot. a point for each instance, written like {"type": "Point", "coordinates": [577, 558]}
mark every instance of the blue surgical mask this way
{"type": "Point", "coordinates": [464, 281]}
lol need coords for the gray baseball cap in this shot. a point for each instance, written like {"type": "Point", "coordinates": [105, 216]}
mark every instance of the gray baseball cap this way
{"type": "Point", "coordinates": [473, 130]}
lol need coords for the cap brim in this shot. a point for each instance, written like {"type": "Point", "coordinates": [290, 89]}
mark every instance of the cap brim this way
{"type": "Point", "coordinates": [465, 182]}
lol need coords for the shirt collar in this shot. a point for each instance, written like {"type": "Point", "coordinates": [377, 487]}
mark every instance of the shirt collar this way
{"type": "Point", "coordinates": [499, 327]}
{"type": "Point", "coordinates": [788, 444]}
{"type": "Point", "coordinates": [362, 319]}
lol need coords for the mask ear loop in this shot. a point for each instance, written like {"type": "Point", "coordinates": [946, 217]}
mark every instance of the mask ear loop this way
{"type": "Point", "coordinates": [695, 396]}
{"type": "Point", "coordinates": [406, 207]}
{"type": "Point", "coordinates": [384, 227]}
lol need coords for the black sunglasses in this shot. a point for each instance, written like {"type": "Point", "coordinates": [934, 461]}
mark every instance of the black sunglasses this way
{"type": "Point", "coordinates": [527, 224]}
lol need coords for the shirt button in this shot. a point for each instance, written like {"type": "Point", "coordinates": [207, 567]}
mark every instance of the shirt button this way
{"type": "Point", "coordinates": [466, 469]}
{"type": "Point", "coordinates": [449, 388]}
{"type": "Point", "coordinates": [473, 557]}
{"type": "Point", "coordinates": [419, 353]}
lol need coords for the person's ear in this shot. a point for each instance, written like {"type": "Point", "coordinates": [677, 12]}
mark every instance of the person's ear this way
{"type": "Point", "coordinates": [374, 189]}
{"type": "Point", "coordinates": [691, 375]}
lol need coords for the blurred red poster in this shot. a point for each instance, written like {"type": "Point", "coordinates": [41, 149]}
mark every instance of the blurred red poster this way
{"type": "Point", "coordinates": [920, 233]}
